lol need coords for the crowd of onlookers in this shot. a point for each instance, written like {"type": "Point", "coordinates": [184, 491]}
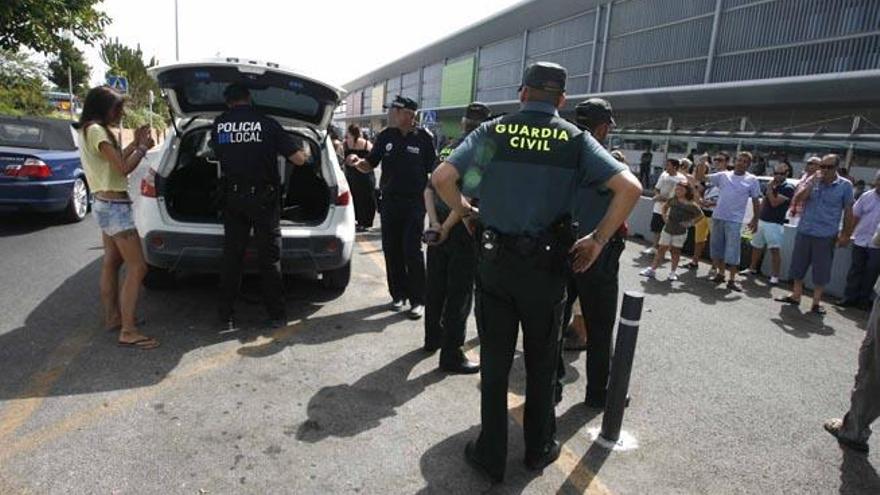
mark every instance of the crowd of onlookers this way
{"type": "Point", "coordinates": [725, 204]}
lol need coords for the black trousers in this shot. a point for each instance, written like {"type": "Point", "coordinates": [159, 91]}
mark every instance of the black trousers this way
{"type": "Point", "coordinates": [241, 214]}
{"type": "Point", "coordinates": [363, 192]}
{"type": "Point", "coordinates": [597, 290]}
{"type": "Point", "coordinates": [403, 221]}
{"type": "Point", "coordinates": [862, 274]}
{"type": "Point", "coordinates": [449, 292]}
{"type": "Point", "coordinates": [514, 292]}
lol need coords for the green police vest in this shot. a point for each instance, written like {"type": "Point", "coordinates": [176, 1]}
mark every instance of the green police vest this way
{"type": "Point", "coordinates": [529, 181]}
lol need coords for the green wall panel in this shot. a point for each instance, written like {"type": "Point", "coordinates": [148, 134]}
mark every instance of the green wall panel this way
{"type": "Point", "coordinates": [457, 83]}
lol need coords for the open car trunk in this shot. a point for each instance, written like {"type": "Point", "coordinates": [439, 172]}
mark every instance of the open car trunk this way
{"type": "Point", "coordinates": [191, 190]}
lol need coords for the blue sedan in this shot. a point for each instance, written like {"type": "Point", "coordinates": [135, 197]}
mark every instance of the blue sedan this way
{"type": "Point", "coordinates": [40, 168]}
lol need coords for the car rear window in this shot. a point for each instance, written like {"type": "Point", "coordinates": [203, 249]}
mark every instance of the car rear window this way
{"type": "Point", "coordinates": [208, 94]}
{"type": "Point", "coordinates": [200, 89]}
{"type": "Point", "coordinates": [47, 134]}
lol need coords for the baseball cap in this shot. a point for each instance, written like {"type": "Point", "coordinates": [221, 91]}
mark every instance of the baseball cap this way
{"type": "Point", "coordinates": [593, 110]}
{"type": "Point", "coordinates": [546, 76]}
{"type": "Point", "coordinates": [477, 112]}
{"type": "Point", "coordinates": [236, 92]}
{"type": "Point", "coordinates": [401, 101]}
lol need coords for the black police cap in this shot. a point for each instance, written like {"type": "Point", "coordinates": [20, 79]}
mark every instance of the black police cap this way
{"type": "Point", "coordinates": [593, 111]}
{"type": "Point", "coordinates": [236, 92]}
{"type": "Point", "coordinates": [401, 101]}
{"type": "Point", "coordinates": [546, 76]}
{"type": "Point", "coordinates": [477, 112]}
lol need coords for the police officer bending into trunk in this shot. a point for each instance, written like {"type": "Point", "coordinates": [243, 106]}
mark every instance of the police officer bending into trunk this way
{"type": "Point", "coordinates": [525, 167]}
{"type": "Point", "coordinates": [451, 265]}
{"type": "Point", "coordinates": [247, 144]}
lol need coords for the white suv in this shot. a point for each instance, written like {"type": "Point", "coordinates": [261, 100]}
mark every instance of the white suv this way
{"type": "Point", "coordinates": [176, 208]}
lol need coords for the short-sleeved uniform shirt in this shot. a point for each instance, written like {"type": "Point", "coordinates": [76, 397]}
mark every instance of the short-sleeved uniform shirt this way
{"type": "Point", "coordinates": [248, 143]}
{"type": "Point", "coordinates": [440, 206]}
{"type": "Point", "coordinates": [824, 208]}
{"type": "Point", "coordinates": [102, 176]}
{"type": "Point", "coordinates": [406, 161]}
{"type": "Point", "coordinates": [776, 214]}
{"type": "Point", "coordinates": [867, 209]}
{"type": "Point", "coordinates": [525, 168]}
{"type": "Point", "coordinates": [734, 192]}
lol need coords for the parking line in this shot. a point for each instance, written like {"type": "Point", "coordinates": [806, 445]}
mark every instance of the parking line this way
{"type": "Point", "coordinates": [582, 478]}
{"type": "Point", "coordinates": [40, 437]}
{"type": "Point", "coordinates": [23, 406]}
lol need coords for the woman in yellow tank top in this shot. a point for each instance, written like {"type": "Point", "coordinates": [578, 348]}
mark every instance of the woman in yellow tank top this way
{"type": "Point", "coordinates": [107, 166]}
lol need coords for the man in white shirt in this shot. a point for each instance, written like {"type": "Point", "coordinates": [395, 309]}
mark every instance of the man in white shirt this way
{"type": "Point", "coordinates": [735, 188]}
{"type": "Point", "coordinates": [663, 190]}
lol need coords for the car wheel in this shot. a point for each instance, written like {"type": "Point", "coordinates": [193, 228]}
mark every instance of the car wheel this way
{"type": "Point", "coordinates": [337, 279]}
{"type": "Point", "coordinates": [78, 206]}
{"type": "Point", "coordinates": [158, 278]}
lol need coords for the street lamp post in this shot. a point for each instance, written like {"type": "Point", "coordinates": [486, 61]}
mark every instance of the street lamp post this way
{"type": "Point", "coordinates": [176, 36]}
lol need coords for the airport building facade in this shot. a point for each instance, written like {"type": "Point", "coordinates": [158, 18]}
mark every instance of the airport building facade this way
{"type": "Point", "coordinates": [781, 78]}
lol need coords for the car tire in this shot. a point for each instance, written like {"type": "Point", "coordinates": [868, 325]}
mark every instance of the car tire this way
{"type": "Point", "coordinates": [337, 279]}
{"type": "Point", "coordinates": [158, 278]}
{"type": "Point", "coordinates": [78, 204]}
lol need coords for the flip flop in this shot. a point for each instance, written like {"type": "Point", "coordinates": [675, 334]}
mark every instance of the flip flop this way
{"type": "Point", "coordinates": [138, 322]}
{"type": "Point", "coordinates": [144, 344]}
{"type": "Point", "coordinates": [787, 300]}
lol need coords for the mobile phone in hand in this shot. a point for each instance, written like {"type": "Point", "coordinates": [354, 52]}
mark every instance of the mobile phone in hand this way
{"type": "Point", "coordinates": [431, 237]}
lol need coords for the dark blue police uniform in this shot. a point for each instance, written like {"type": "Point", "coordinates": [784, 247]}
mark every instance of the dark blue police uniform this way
{"type": "Point", "coordinates": [247, 144]}
{"type": "Point", "coordinates": [406, 161]}
{"type": "Point", "coordinates": [524, 168]}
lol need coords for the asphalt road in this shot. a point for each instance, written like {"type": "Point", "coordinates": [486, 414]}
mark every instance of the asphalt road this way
{"type": "Point", "coordinates": [729, 391]}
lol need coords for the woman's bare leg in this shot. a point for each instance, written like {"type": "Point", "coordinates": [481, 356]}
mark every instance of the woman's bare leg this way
{"type": "Point", "coordinates": [110, 282]}
{"type": "Point", "coordinates": [129, 245]}
{"type": "Point", "coordinates": [658, 257]}
{"type": "Point", "coordinates": [676, 256]}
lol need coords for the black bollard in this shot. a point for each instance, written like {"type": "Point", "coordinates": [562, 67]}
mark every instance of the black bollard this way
{"type": "Point", "coordinates": [621, 365]}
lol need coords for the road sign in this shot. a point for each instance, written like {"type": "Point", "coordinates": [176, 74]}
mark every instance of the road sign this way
{"type": "Point", "coordinates": [118, 83]}
{"type": "Point", "coordinates": [429, 117]}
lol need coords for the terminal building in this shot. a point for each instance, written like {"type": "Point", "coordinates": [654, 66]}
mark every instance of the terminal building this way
{"type": "Point", "coordinates": [779, 78]}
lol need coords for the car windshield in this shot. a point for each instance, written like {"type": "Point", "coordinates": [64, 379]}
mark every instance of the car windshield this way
{"type": "Point", "coordinates": [46, 134]}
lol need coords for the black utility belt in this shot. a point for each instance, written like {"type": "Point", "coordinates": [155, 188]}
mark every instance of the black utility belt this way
{"type": "Point", "coordinates": [253, 189]}
{"type": "Point", "coordinates": [521, 245]}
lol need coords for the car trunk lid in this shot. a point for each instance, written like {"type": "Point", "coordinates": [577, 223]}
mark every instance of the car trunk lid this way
{"type": "Point", "coordinates": [196, 90]}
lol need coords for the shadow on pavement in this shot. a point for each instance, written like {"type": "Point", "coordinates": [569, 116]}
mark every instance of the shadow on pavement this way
{"type": "Point", "coordinates": [62, 349]}
{"type": "Point", "coordinates": [857, 475]}
{"type": "Point", "coordinates": [349, 410]}
{"type": "Point", "coordinates": [801, 325]}
{"type": "Point", "coordinates": [12, 224]}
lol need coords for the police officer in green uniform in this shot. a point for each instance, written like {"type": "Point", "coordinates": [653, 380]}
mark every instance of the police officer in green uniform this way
{"type": "Point", "coordinates": [451, 263]}
{"type": "Point", "coordinates": [525, 167]}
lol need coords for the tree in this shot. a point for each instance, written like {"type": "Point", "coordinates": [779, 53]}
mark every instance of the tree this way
{"type": "Point", "coordinates": [129, 62]}
{"type": "Point", "coordinates": [70, 56]}
{"type": "Point", "coordinates": [21, 85]}
{"type": "Point", "coordinates": [40, 25]}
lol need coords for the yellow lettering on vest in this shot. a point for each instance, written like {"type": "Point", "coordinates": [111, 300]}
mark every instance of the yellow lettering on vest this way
{"type": "Point", "coordinates": [500, 128]}
{"type": "Point", "coordinates": [524, 131]}
{"type": "Point", "coordinates": [536, 133]}
{"type": "Point", "coordinates": [546, 132]}
{"type": "Point", "coordinates": [546, 145]}
{"type": "Point", "coordinates": [514, 142]}
{"type": "Point", "coordinates": [563, 136]}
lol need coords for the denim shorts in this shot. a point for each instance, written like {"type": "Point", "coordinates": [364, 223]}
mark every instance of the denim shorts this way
{"type": "Point", "coordinates": [769, 235]}
{"type": "Point", "coordinates": [725, 241]}
{"type": "Point", "coordinates": [113, 217]}
{"type": "Point", "coordinates": [812, 252]}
